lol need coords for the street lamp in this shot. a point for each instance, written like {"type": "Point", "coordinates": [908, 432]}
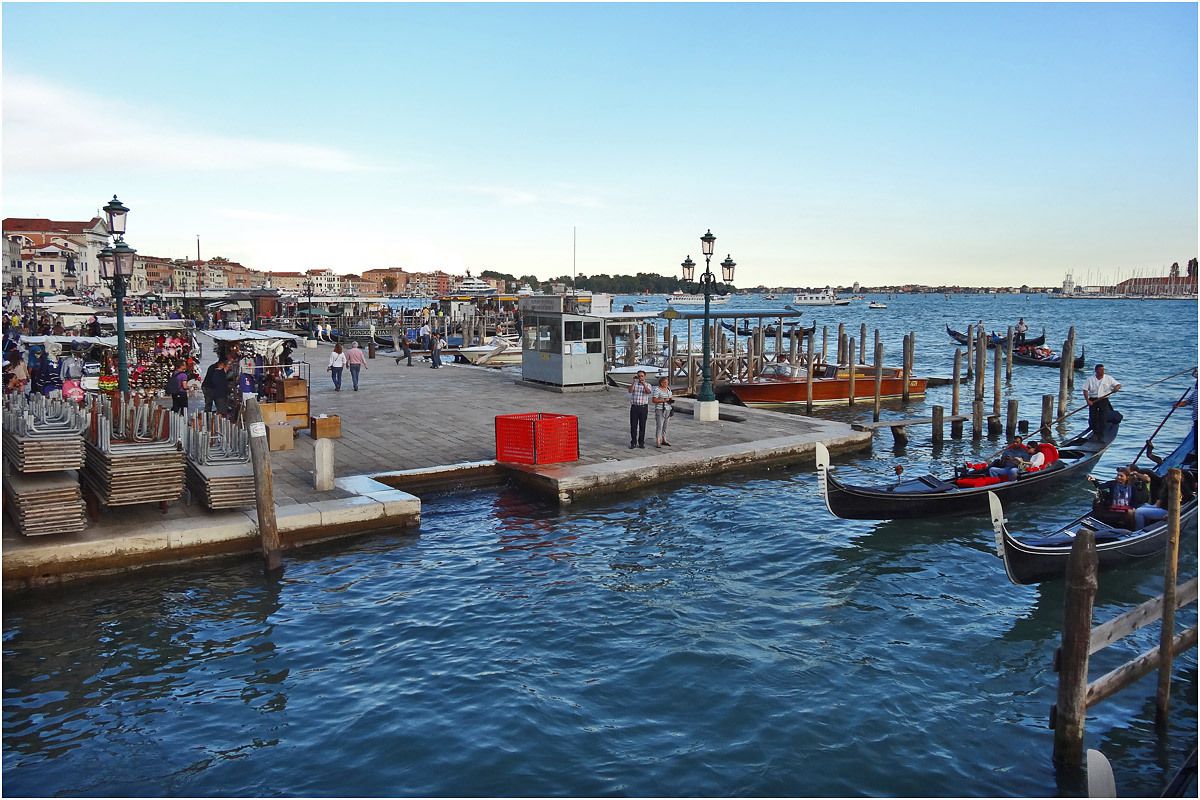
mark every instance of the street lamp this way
{"type": "Point", "coordinates": [116, 265]}
{"type": "Point", "coordinates": [308, 288]}
{"type": "Point", "coordinates": [33, 291]}
{"type": "Point", "coordinates": [706, 394]}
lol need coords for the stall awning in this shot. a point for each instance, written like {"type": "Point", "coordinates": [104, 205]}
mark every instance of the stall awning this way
{"type": "Point", "coordinates": [230, 305]}
{"type": "Point", "coordinates": [248, 336]}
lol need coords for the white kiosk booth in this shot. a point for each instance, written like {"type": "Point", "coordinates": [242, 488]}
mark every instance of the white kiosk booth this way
{"type": "Point", "coordinates": [562, 346]}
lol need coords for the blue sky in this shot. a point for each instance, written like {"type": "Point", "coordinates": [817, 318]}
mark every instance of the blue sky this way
{"type": "Point", "coordinates": [822, 143]}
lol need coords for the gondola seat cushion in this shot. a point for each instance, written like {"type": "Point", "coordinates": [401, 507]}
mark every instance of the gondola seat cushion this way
{"type": "Point", "coordinates": [1049, 451]}
{"type": "Point", "coordinates": [982, 480]}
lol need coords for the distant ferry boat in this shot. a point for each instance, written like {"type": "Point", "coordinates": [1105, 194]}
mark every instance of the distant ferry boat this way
{"type": "Point", "coordinates": [473, 285]}
{"type": "Point", "coordinates": [525, 290]}
{"type": "Point", "coordinates": [681, 299]}
{"type": "Point", "coordinates": [825, 298]}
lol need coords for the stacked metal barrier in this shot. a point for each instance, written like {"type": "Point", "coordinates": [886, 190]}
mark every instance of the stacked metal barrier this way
{"type": "Point", "coordinates": [132, 452]}
{"type": "Point", "coordinates": [218, 461]}
{"type": "Point", "coordinates": [43, 444]}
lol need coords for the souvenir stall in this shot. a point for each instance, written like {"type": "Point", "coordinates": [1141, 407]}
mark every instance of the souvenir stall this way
{"type": "Point", "coordinates": [153, 347]}
{"type": "Point", "coordinates": [268, 365]}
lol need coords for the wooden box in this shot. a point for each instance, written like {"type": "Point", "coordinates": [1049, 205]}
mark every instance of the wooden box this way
{"type": "Point", "coordinates": [271, 416]}
{"type": "Point", "coordinates": [281, 437]}
{"type": "Point", "coordinates": [325, 427]}
{"type": "Point", "coordinates": [295, 389]}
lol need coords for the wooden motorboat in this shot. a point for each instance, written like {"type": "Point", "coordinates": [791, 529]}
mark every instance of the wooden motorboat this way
{"type": "Point", "coordinates": [655, 367]}
{"type": "Point", "coordinates": [1043, 357]}
{"type": "Point", "coordinates": [1033, 559]}
{"type": "Point", "coordinates": [783, 384]}
{"type": "Point", "coordinates": [932, 496]}
{"type": "Point", "coordinates": [498, 351]}
{"type": "Point", "coordinates": [995, 339]}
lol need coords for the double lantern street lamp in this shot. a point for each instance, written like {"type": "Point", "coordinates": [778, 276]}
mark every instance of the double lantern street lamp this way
{"type": "Point", "coordinates": [116, 266]}
{"type": "Point", "coordinates": [707, 243]}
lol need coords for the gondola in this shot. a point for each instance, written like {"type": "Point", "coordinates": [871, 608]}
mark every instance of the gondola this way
{"type": "Point", "coordinates": [769, 330]}
{"type": "Point", "coordinates": [1052, 361]}
{"type": "Point", "coordinates": [996, 339]}
{"type": "Point", "coordinates": [1035, 559]}
{"type": "Point", "coordinates": [931, 496]}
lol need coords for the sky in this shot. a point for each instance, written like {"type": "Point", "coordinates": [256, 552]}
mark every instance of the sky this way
{"type": "Point", "coordinates": [974, 144]}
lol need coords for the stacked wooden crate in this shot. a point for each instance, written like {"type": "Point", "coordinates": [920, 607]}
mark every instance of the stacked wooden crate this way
{"type": "Point", "coordinates": [43, 444]}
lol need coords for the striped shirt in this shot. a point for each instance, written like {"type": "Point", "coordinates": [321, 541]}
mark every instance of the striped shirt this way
{"type": "Point", "coordinates": [639, 393]}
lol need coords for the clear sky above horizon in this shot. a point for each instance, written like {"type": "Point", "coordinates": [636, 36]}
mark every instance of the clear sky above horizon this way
{"type": "Point", "coordinates": [986, 144]}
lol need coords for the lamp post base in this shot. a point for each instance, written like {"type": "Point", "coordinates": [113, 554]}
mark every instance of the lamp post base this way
{"type": "Point", "coordinates": [706, 411]}
{"type": "Point", "coordinates": [310, 343]}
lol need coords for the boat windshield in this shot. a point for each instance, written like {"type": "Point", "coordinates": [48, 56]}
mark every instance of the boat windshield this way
{"type": "Point", "coordinates": [777, 371]}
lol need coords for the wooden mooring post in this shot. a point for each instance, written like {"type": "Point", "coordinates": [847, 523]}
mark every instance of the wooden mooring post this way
{"type": "Point", "coordinates": [1069, 360]}
{"type": "Point", "coordinates": [938, 424]}
{"type": "Point", "coordinates": [994, 423]}
{"type": "Point", "coordinates": [956, 426]}
{"type": "Point", "coordinates": [824, 344]}
{"type": "Point", "coordinates": [970, 350]}
{"type": "Point", "coordinates": [878, 377]}
{"type": "Point", "coordinates": [264, 486]}
{"type": "Point", "coordinates": [1008, 359]}
{"type": "Point", "coordinates": [1064, 370]}
{"type": "Point", "coordinates": [853, 371]}
{"type": "Point", "coordinates": [980, 370]}
{"type": "Point", "coordinates": [1045, 432]}
{"type": "Point", "coordinates": [1080, 640]}
{"type": "Point", "coordinates": [906, 365]}
{"type": "Point", "coordinates": [1010, 426]}
{"type": "Point", "coordinates": [808, 375]}
{"type": "Point", "coordinates": [841, 343]}
{"type": "Point", "coordinates": [862, 343]}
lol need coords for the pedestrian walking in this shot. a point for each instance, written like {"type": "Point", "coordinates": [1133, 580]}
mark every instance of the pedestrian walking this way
{"type": "Point", "coordinates": [639, 410]}
{"type": "Point", "coordinates": [177, 385]}
{"type": "Point", "coordinates": [356, 360]}
{"type": "Point", "coordinates": [436, 344]}
{"type": "Point", "coordinates": [216, 387]}
{"type": "Point", "coordinates": [663, 400]}
{"type": "Point", "coordinates": [1095, 394]}
{"type": "Point", "coordinates": [405, 350]}
{"type": "Point", "coordinates": [425, 334]}
{"type": "Point", "coordinates": [337, 361]}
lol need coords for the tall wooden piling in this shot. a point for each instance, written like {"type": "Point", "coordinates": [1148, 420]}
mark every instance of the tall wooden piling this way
{"type": "Point", "coordinates": [862, 343]}
{"type": "Point", "coordinates": [792, 339]}
{"type": "Point", "coordinates": [938, 424]}
{"type": "Point", "coordinates": [904, 374]}
{"type": "Point", "coordinates": [956, 426]}
{"type": "Point", "coordinates": [877, 341]}
{"type": "Point", "coordinates": [853, 370]}
{"type": "Point", "coordinates": [1162, 698]}
{"type": "Point", "coordinates": [842, 359]}
{"type": "Point", "coordinates": [1044, 432]}
{"type": "Point", "coordinates": [810, 367]}
{"type": "Point", "coordinates": [1010, 426]}
{"type": "Point", "coordinates": [1008, 350]}
{"type": "Point", "coordinates": [1069, 359]}
{"type": "Point", "coordinates": [1073, 661]}
{"type": "Point", "coordinates": [970, 350]}
{"type": "Point", "coordinates": [1064, 370]}
{"type": "Point", "coordinates": [980, 366]}
{"type": "Point", "coordinates": [824, 344]}
{"type": "Point", "coordinates": [994, 423]}
{"type": "Point", "coordinates": [878, 377]}
{"type": "Point", "coordinates": [264, 486]}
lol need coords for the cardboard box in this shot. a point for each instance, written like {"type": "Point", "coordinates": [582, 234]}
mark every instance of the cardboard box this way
{"type": "Point", "coordinates": [271, 416]}
{"type": "Point", "coordinates": [325, 427]}
{"type": "Point", "coordinates": [281, 437]}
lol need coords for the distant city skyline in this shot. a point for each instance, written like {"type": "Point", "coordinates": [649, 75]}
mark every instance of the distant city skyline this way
{"type": "Point", "coordinates": [985, 144]}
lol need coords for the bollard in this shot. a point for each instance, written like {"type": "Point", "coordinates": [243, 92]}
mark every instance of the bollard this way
{"type": "Point", "coordinates": [264, 486]}
{"type": "Point", "coordinates": [899, 435]}
{"type": "Point", "coordinates": [370, 348]}
{"type": "Point", "coordinates": [938, 423]}
{"type": "Point", "coordinates": [323, 465]}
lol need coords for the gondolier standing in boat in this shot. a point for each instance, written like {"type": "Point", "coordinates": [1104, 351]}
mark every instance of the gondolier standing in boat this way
{"type": "Point", "coordinates": [1095, 394]}
{"type": "Point", "coordinates": [1019, 331]}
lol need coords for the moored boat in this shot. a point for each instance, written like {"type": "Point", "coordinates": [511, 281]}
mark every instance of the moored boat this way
{"type": "Point", "coordinates": [995, 339]}
{"type": "Point", "coordinates": [1044, 357]}
{"type": "Point", "coordinates": [931, 495]}
{"type": "Point", "coordinates": [785, 384]}
{"type": "Point", "coordinates": [828, 297]}
{"type": "Point", "coordinates": [681, 299]}
{"type": "Point", "coordinates": [655, 367]}
{"type": "Point", "coordinates": [497, 352]}
{"type": "Point", "coordinates": [1033, 559]}
{"type": "Point", "coordinates": [876, 304]}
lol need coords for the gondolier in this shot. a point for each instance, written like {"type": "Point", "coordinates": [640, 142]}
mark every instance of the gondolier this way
{"type": "Point", "coordinates": [1020, 331]}
{"type": "Point", "coordinates": [1095, 393]}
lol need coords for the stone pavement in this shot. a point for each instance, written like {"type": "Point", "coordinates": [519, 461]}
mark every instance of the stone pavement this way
{"type": "Point", "coordinates": [415, 417]}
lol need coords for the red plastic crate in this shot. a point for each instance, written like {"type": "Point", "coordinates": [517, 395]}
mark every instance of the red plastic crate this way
{"type": "Point", "coordinates": [537, 438]}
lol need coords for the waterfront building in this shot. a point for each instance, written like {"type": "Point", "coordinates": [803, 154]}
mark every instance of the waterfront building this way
{"type": "Point", "coordinates": [52, 265]}
{"type": "Point", "coordinates": [183, 276]}
{"type": "Point", "coordinates": [86, 238]}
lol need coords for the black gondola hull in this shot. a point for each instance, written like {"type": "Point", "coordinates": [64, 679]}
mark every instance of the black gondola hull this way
{"type": "Point", "coordinates": [929, 496]}
{"type": "Point", "coordinates": [1029, 563]}
{"type": "Point", "coordinates": [961, 338]}
{"type": "Point", "coordinates": [1080, 361]}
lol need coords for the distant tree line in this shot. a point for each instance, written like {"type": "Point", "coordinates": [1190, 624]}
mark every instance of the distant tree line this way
{"type": "Point", "coordinates": [607, 284]}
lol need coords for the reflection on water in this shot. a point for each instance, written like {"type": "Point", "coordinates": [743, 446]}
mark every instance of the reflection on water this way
{"type": "Point", "coordinates": [716, 639]}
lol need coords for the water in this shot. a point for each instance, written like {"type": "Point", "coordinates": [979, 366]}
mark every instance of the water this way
{"type": "Point", "coordinates": [724, 639]}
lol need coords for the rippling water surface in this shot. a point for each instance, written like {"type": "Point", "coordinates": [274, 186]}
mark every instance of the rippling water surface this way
{"type": "Point", "coordinates": [724, 639]}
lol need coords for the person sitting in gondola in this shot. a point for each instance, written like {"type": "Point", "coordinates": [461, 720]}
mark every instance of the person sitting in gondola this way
{"type": "Point", "coordinates": [1008, 466]}
{"type": "Point", "coordinates": [1117, 499]}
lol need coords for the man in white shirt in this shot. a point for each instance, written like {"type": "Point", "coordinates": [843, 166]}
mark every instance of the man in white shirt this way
{"type": "Point", "coordinates": [1095, 394]}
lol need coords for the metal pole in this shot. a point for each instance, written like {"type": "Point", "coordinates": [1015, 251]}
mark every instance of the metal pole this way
{"type": "Point", "coordinates": [118, 290]}
{"type": "Point", "coordinates": [706, 388]}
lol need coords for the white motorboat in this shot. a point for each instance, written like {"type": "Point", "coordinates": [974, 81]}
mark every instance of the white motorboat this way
{"type": "Point", "coordinates": [499, 351]}
{"type": "Point", "coordinates": [474, 286]}
{"type": "Point", "coordinates": [525, 291]}
{"type": "Point", "coordinates": [825, 298]}
{"type": "Point", "coordinates": [681, 299]}
{"type": "Point", "coordinates": [654, 366]}
{"type": "Point", "coordinates": [876, 304]}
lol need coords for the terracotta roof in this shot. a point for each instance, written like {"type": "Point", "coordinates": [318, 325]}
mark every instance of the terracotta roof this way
{"type": "Point", "coordinates": [42, 225]}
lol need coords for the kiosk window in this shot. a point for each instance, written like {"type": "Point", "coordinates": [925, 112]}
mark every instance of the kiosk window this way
{"type": "Point", "coordinates": [573, 331]}
{"type": "Point", "coordinates": [591, 330]}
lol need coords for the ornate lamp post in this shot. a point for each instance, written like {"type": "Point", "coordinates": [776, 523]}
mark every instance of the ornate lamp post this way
{"type": "Point", "coordinates": [706, 399]}
{"type": "Point", "coordinates": [116, 265]}
{"type": "Point", "coordinates": [308, 288]}
{"type": "Point", "coordinates": [33, 293]}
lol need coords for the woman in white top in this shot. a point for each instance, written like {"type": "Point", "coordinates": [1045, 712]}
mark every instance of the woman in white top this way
{"type": "Point", "coordinates": [663, 400]}
{"type": "Point", "coordinates": [337, 361]}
